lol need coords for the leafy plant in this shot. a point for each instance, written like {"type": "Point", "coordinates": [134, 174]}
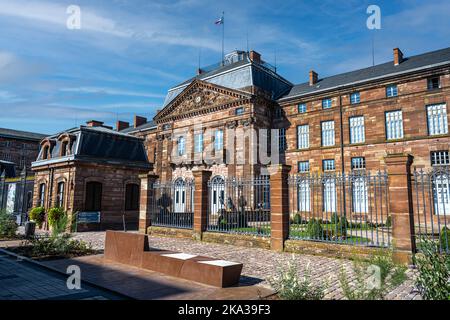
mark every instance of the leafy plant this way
{"type": "Point", "coordinates": [388, 222]}
{"type": "Point", "coordinates": [37, 214]}
{"type": "Point", "coordinates": [297, 219]}
{"type": "Point", "coordinates": [335, 218]}
{"type": "Point", "coordinates": [60, 225]}
{"type": "Point", "coordinates": [444, 239]}
{"type": "Point", "coordinates": [8, 225]}
{"type": "Point", "coordinates": [341, 227]}
{"type": "Point", "coordinates": [433, 280]}
{"type": "Point", "coordinates": [292, 287]}
{"type": "Point", "coordinates": [314, 229]}
{"type": "Point", "coordinates": [53, 215]}
{"type": "Point", "coordinates": [372, 279]}
{"type": "Point", "coordinates": [59, 245]}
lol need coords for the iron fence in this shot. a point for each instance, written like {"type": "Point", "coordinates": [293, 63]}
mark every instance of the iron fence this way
{"type": "Point", "coordinates": [431, 198]}
{"type": "Point", "coordinates": [173, 204]}
{"type": "Point", "coordinates": [239, 206]}
{"type": "Point", "coordinates": [340, 208]}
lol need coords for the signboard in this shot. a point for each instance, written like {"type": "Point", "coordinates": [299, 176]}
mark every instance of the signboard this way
{"type": "Point", "coordinates": [88, 217]}
{"type": "Point", "coordinates": [11, 198]}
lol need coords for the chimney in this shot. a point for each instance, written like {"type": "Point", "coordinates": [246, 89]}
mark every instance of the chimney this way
{"type": "Point", "coordinates": [313, 77]}
{"type": "Point", "coordinates": [94, 123]}
{"type": "Point", "coordinates": [122, 125]}
{"type": "Point", "coordinates": [398, 56]}
{"type": "Point", "coordinates": [139, 121]}
{"type": "Point", "coordinates": [255, 56]}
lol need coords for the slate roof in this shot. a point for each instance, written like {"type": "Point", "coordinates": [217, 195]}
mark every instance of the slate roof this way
{"type": "Point", "coordinates": [238, 75]}
{"type": "Point", "coordinates": [99, 145]}
{"type": "Point", "coordinates": [385, 70]}
{"type": "Point", "coordinates": [24, 135]}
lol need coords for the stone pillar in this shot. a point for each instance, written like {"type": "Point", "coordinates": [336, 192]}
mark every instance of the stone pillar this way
{"type": "Point", "coordinates": [279, 206]}
{"type": "Point", "coordinates": [147, 198]}
{"type": "Point", "coordinates": [201, 201]}
{"type": "Point", "coordinates": [2, 188]}
{"type": "Point", "coordinates": [401, 206]}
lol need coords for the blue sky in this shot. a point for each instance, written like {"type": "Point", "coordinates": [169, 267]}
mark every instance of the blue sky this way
{"type": "Point", "coordinates": [129, 52]}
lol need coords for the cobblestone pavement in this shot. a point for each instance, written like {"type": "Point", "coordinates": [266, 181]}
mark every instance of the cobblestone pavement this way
{"type": "Point", "coordinates": [262, 264]}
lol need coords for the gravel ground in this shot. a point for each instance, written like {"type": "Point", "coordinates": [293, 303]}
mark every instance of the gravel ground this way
{"type": "Point", "coordinates": [260, 264]}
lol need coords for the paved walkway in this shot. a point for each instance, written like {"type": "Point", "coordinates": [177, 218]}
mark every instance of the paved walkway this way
{"type": "Point", "coordinates": [23, 280]}
{"type": "Point", "coordinates": [262, 264]}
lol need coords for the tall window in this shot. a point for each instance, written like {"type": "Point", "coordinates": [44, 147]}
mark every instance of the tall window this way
{"type": "Point", "coordinates": [302, 108]}
{"type": "Point", "coordinates": [437, 119]}
{"type": "Point", "coordinates": [303, 194]}
{"type": "Point", "coordinates": [218, 139]}
{"type": "Point", "coordinates": [60, 195]}
{"type": "Point", "coordinates": [132, 197]}
{"type": "Point", "coordinates": [394, 125]}
{"type": "Point", "coordinates": [93, 201]}
{"type": "Point", "coordinates": [327, 133]}
{"type": "Point", "coordinates": [198, 143]}
{"type": "Point", "coordinates": [42, 195]}
{"type": "Point", "coordinates": [355, 98]}
{"type": "Point", "coordinates": [181, 146]}
{"type": "Point", "coordinates": [357, 130]}
{"type": "Point", "coordinates": [282, 142]}
{"type": "Point", "coordinates": [391, 91]}
{"type": "Point", "coordinates": [433, 83]}
{"type": "Point", "coordinates": [303, 166]}
{"type": "Point", "coordinates": [45, 153]}
{"type": "Point", "coordinates": [440, 158]}
{"type": "Point", "coordinates": [360, 196]}
{"type": "Point", "coordinates": [327, 103]}
{"type": "Point", "coordinates": [303, 137]}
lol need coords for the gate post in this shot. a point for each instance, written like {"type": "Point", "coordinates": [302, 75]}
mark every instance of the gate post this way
{"type": "Point", "coordinates": [201, 178]}
{"type": "Point", "coordinates": [147, 198]}
{"type": "Point", "coordinates": [2, 188]}
{"type": "Point", "coordinates": [401, 206]}
{"type": "Point", "coordinates": [279, 206]}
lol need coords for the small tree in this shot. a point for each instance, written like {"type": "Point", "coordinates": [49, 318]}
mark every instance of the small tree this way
{"type": "Point", "coordinates": [54, 214]}
{"type": "Point", "coordinates": [37, 215]}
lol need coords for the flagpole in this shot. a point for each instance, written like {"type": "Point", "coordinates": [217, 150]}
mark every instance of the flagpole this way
{"type": "Point", "coordinates": [223, 38]}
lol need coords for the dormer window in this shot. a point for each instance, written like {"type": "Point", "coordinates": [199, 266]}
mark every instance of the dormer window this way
{"type": "Point", "coordinates": [45, 153]}
{"type": "Point", "coordinates": [64, 148]}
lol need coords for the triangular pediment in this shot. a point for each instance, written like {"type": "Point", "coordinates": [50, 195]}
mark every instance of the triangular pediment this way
{"type": "Point", "coordinates": [201, 97]}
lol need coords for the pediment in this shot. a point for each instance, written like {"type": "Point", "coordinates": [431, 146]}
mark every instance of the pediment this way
{"type": "Point", "coordinates": [201, 97]}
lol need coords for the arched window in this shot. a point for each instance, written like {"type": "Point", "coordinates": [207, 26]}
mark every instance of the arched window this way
{"type": "Point", "coordinates": [41, 201]}
{"type": "Point", "coordinates": [132, 197]}
{"type": "Point", "coordinates": [93, 200]}
{"type": "Point", "coordinates": [64, 148]}
{"type": "Point", "coordinates": [60, 195]}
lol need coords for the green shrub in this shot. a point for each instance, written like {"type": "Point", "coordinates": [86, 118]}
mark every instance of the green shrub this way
{"type": "Point", "coordinates": [433, 280]}
{"type": "Point", "coordinates": [54, 214]}
{"type": "Point", "coordinates": [8, 225]}
{"type": "Point", "coordinates": [388, 222]}
{"type": "Point", "coordinates": [37, 214]}
{"type": "Point", "coordinates": [297, 219]}
{"type": "Point", "coordinates": [60, 245]}
{"type": "Point", "coordinates": [335, 218]}
{"type": "Point", "coordinates": [372, 279]}
{"type": "Point", "coordinates": [314, 229]}
{"type": "Point", "coordinates": [290, 286]}
{"type": "Point", "coordinates": [60, 225]}
{"type": "Point", "coordinates": [445, 239]}
{"type": "Point", "coordinates": [341, 227]}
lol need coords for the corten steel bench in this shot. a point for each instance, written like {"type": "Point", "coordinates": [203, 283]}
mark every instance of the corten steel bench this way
{"type": "Point", "coordinates": [133, 249]}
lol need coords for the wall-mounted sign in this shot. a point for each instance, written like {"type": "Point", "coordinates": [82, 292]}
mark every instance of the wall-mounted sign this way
{"type": "Point", "coordinates": [88, 217]}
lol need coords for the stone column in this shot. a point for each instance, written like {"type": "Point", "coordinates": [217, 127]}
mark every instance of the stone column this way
{"type": "Point", "coordinates": [201, 201]}
{"type": "Point", "coordinates": [147, 198]}
{"type": "Point", "coordinates": [401, 206]}
{"type": "Point", "coordinates": [279, 206]}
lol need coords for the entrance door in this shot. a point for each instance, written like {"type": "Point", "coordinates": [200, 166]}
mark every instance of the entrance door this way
{"type": "Point", "coordinates": [180, 196]}
{"type": "Point", "coordinates": [442, 194]}
{"type": "Point", "coordinates": [217, 195]}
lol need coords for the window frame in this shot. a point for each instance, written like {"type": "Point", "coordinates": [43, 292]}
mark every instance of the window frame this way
{"type": "Point", "coordinates": [443, 115]}
{"type": "Point", "coordinates": [358, 95]}
{"type": "Point", "coordinates": [325, 105]}
{"type": "Point", "coordinates": [303, 133]}
{"type": "Point", "coordinates": [322, 133]}
{"type": "Point", "coordinates": [430, 80]}
{"type": "Point", "coordinates": [388, 87]}
{"type": "Point", "coordinates": [386, 125]}
{"type": "Point", "coordinates": [325, 168]}
{"type": "Point", "coordinates": [299, 163]}
{"type": "Point", "coordinates": [303, 106]}
{"type": "Point", "coordinates": [351, 128]}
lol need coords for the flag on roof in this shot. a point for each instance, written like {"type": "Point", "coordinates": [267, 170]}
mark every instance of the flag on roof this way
{"type": "Point", "coordinates": [220, 21]}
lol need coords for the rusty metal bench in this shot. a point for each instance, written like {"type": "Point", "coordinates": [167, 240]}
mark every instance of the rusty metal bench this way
{"type": "Point", "coordinates": [133, 249]}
